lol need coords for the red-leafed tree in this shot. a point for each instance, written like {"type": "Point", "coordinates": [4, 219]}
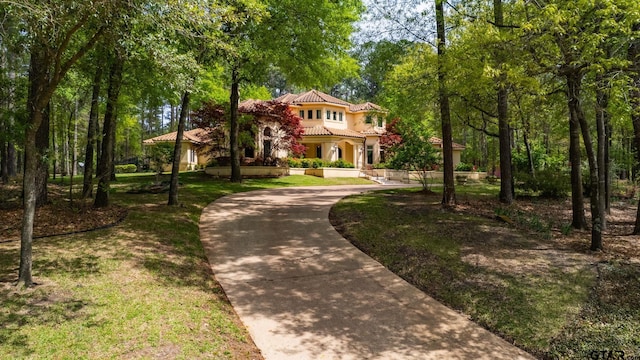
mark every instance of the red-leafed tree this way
{"type": "Point", "coordinates": [212, 119]}
{"type": "Point", "coordinates": [288, 126]}
{"type": "Point", "coordinates": [391, 139]}
{"type": "Point", "coordinates": [285, 125]}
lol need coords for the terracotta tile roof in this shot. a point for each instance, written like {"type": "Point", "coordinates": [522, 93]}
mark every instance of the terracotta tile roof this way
{"type": "Point", "coordinates": [196, 136]}
{"type": "Point", "coordinates": [365, 107]}
{"type": "Point", "coordinates": [438, 141]}
{"type": "Point", "coordinates": [313, 96]}
{"type": "Point", "coordinates": [320, 130]}
{"type": "Point", "coordinates": [374, 131]}
{"type": "Point", "coordinates": [248, 106]}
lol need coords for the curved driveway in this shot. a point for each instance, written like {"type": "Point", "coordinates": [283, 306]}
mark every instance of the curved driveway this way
{"type": "Point", "coordinates": [304, 292]}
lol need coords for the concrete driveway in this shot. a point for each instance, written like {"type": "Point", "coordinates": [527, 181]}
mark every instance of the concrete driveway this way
{"type": "Point", "coordinates": [304, 292]}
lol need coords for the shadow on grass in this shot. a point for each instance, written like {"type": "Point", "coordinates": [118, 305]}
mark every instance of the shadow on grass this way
{"type": "Point", "coordinates": [22, 310]}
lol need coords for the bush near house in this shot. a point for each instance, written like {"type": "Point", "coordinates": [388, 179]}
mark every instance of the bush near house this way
{"type": "Point", "coordinates": [318, 163]}
{"type": "Point", "coordinates": [126, 169]}
{"type": "Point", "coordinates": [464, 167]}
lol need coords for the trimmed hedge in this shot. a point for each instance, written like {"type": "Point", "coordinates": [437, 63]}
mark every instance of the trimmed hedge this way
{"type": "Point", "coordinates": [126, 169]}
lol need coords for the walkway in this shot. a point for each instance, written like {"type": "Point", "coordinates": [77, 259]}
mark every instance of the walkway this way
{"type": "Point", "coordinates": [304, 292]}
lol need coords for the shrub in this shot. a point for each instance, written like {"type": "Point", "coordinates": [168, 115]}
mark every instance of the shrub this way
{"type": "Point", "coordinates": [464, 167]}
{"type": "Point", "coordinates": [550, 183]}
{"type": "Point", "coordinates": [128, 168]}
{"type": "Point", "coordinates": [305, 163]}
{"type": "Point", "coordinates": [382, 166]}
{"type": "Point", "coordinates": [317, 163]}
{"type": "Point", "coordinates": [340, 163]}
{"type": "Point", "coordinates": [294, 162]}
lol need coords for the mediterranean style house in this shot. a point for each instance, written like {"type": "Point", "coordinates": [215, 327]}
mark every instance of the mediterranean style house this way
{"type": "Point", "coordinates": [333, 129]}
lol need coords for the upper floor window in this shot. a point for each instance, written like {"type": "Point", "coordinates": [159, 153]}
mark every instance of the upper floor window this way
{"type": "Point", "coordinates": [368, 120]}
{"type": "Point", "coordinates": [335, 115]}
{"type": "Point", "coordinates": [310, 114]}
{"type": "Point", "coordinates": [341, 115]}
{"type": "Point", "coordinates": [328, 115]}
{"type": "Point", "coordinates": [302, 114]}
{"type": "Point", "coordinates": [380, 122]}
{"type": "Point", "coordinates": [318, 114]}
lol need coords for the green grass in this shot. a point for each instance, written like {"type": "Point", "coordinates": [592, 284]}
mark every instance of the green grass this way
{"type": "Point", "coordinates": [552, 310]}
{"type": "Point", "coordinates": [142, 289]}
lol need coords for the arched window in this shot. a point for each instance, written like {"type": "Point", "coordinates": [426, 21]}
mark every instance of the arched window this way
{"type": "Point", "coordinates": [267, 132]}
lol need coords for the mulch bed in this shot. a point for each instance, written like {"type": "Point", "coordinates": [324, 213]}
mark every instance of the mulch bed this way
{"type": "Point", "coordinates": [59, 217]}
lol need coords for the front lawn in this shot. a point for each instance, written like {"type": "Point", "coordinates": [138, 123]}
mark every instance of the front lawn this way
{"type": "Point", "coordinates": [141, 289]}
{"type": "Point", "coordinates": [530, 281]}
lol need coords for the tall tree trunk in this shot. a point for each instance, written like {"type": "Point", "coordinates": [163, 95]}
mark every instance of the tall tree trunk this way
{"type": "Point", "coordinates": [108, 131]}
{"type": "Point", "coordinates": [37, 101]}
{"type": "Point", "coordinates": [449, 192]}
{"type": "Point", "coordinates": [602, 114]}
{"type": "Point", "coordinates": [633, 55]}
{"type": "Point", "coordinates": [504, 132]}
{"type": "Point", "coordinates": [12, 160]}
{"type": "Point", "coordinates": [3, 161]}
{"type": "Point", "coordinates": [177, 150]}
{"type": "Point", "coordinates": [42, 142]}
{"type": "Point", "coordinates": [92, 134]}
{"type": "Point", "coordinates": [234, 127]}
{"type": "Point", "coordinates": [577, 198]}
{"type": "Point", "coordinates": [574, 82]}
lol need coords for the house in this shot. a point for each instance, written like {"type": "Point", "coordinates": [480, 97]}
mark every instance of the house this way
{"type": "Point", "coordinates": [192, 155]}
{"type": "Point", "coordinates": [333, 129]}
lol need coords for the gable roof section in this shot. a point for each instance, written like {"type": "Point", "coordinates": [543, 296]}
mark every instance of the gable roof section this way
{"type": "Point", "coordinates": [312, 96]}
{"type": "Point", "coordinates": [438, 141]}
{"type": "Point", "coordinates": [196, 136]}
{"type": "Point", "coordinates": [368, 106]}
{"type": "Point", "coordinates": [315, 96]}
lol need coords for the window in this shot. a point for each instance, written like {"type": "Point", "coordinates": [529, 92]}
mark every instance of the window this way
{"type": "Point", "coordinates": [368, 120]}
{"type": "Point", "coordinates": [302, 114]}
{"type": "Point", "coordinates": [249, 152]}
{"type": "Point", "coordinates": [341, 114]}
{"type": "Point", "coordinates": [267, 132]}
{"type": "Point", "coordinates": [334, 115]}
{"type": "Point", "coordinates": [328, 115]}
{"type": "Point", "coordinates": [318, 114]}
{"type": "Point", "coordinates": [192, 156]}
{"type": "Point", "coordinates": [339, 153]}
{"type": "Point", "coordinates": [369, 154]}
{"type": "Point", "coordinates": [266, 146]}
{"type": "Point", "coordinates": [319, 151]}
{"type": "Point", "coordinates": [380, 122]}
{"type": "Point", "coordinates": [310, 114]}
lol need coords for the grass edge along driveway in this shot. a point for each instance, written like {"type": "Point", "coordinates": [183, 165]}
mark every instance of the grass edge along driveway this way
{"type": "Point", "coordinates": [142, 289]}
{"type": "Point", "coordinates": [552, 302]}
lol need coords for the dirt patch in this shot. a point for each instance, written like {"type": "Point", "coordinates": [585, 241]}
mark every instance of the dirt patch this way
{"type": "Point", "coordinates": [58, 217]}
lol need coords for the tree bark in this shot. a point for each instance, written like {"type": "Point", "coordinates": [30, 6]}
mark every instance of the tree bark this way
{"type": "Point", "coordinates": [602, 113]}
{"type": "Point", "coordinates": [87, 186]}
{"type": "Point", "coordinates": [37, 100]}
{"type": "Point", "coordinates": [108, 131]}
{"type": "Point", "coordinates": [449, 191]}
{"type": "Point", "coordinates": [633, 54]}
{"type": "Point", "coordinates": [504, 132]}
{"type": "Point", "coordinates": [234, 130]}
{"type": "Point", "coordinates": [42, 142]}
{"type": "Point", "coordinates": [577, 198]}
{"type": "Point", "coordinates": [574, 84]}
{"type": "Point", "coordinates": [177, 151]}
